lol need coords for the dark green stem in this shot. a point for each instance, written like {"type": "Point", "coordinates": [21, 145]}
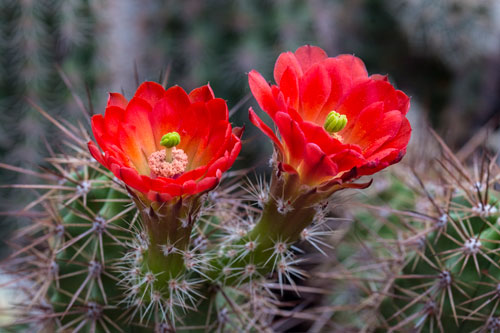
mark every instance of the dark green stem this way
{"type": "Point", "coordinates": [169, 228]}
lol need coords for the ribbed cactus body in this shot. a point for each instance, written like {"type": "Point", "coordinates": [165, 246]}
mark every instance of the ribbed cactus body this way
{"type": "Point", "coordinates": [86, 288]}
{"type": "Point", "coordinates": [429, 257]}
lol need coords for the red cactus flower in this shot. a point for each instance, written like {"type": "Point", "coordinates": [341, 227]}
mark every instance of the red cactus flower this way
{"type": "Point", "coordinates": [336, 123]}
{"type": "Point", "coordinates": [131, 135]}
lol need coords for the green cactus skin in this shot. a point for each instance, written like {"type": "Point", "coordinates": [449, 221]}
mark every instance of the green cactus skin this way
{"type": "Point", "coordinates": [434, 266]}
{"type": "Point", "coordinates": [86, 266]}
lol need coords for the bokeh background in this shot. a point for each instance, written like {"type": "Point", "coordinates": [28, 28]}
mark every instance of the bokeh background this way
{"type": "Point", "coordinates": [443, 53]}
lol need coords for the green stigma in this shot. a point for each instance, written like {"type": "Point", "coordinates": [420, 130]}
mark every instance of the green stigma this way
{"type": "Point", "coordinates": [335, 122]}
{"type": "Point", "coordinates": [170, 140]}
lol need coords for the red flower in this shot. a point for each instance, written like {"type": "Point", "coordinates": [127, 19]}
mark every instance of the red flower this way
{"type": "Point", "coordinates": [130, 133]}
{"type": "Point", "coordinates": [309, 86]}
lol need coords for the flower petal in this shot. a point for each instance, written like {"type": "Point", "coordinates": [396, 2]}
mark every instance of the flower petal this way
{"type": "Point", "coordinates": [286, 61]}
{"type": "Point", "coordinates": [133, 179]}
{"type": "Point", "coordinates": [217, 109]}
{"type": "Point", "coordinates": [348, 159]}
{"type": "Point", "coordinates": [314, 92]}
{"type": "Point", "coordinates": [217, 143]}
{"type": "Point", "coordinates": [201, 94]}
{"type": "Point", "coordinates": [366, 93]}
{"type": "Point", "coordinates": [96, 153]}
{"type": "Point", "coordinates": [209, 147]}
{"type": "Point", "coordinates": [164, 185]}
{"type": "Point", "coordinates": [177, 98]}
{"type": "Point", "coordinates": [264, 128]}
{"type": "Point", "coordinates": [189, 187]}
{"type": "Point", "coordinates": [220, 164]}
{"type": "Point", "coordinates": [344, 71]}
{"type": "Point", "coordinates": [132, 148]}
{"type": "Point", "coordinates": [287, 168]}
{"type": "Point", "coordinates": [401, 139]}
{"type": "Point", "coordinates": [117, 99]}
{"type": "Point", "coordinates": [171, 114]}
{"type": "Point", "coordinates": [236, 143]}
{"type": "Point", "coordinates": [365, 122]}
{"type": "Point", "coordinates": [289, 86]}
{"type": "Point", "coordinates": [317, 134]}
{"type": "Point", "coordinates": [137, 116]}
{"type": "Point", "coordinates": [151, 92]}
{"type": "Point", "coordinates": [159, 197]}
{"type": "Point", "coordinates": [207, 184]}
{"type": "Point", "coordinates": [403, 102]}
{"type": "Point", "coordinates": [309, 55]}
{"type": "Point", "coordinates": [100, 133]}
{"type": "Point", "coordinates": [292, 136]}
{"type": "Point", "coordinates": [316, 166]}
{"type": "Point", "coordinates": [192, 174]}
{"type": "Point", "coordinates": [386, 130]}
{"type": "Point", "coordinates": [112, 119]}
{"type": "Point", "coordinates": [262, 93]}
{"type": "Point", "coordinates": [238, 131]}
{"type": "Point", "coordinates": [379, 161]}
{"type": "Point", "coordinates": [194, 128]}
{"type": "Point", "coordinates": [164, 119]}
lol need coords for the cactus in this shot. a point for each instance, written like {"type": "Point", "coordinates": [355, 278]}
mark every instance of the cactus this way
{"type": "Point", "coordinates": [98, 258]}
{"type": "Point", "coordinates": [428, 260]}
{"type": "Point", "coordinates": [135, 233]}
{"type": "Point", "coordinates": [134, 236]}
{"type": "Point", "coordinates": [93, 260]}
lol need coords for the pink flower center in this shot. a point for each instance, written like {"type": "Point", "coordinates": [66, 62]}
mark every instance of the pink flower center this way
{"type": "Point", "coordinates": [161, 168]}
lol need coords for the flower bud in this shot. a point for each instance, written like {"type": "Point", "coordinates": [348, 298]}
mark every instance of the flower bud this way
{"type": "Point", "coordinates": [335, 122]}
{"type": "Point", "coordinates": [170, 140]}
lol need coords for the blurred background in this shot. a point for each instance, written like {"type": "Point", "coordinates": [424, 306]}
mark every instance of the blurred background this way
{"type": "Point", "coordinates": [445, 54]}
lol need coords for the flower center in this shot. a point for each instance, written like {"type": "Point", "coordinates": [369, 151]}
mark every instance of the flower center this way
{"type": "Point", "coordinates": [335, 122]}
{"type": "Point", "coordinates": [161, 168]}
{"type": "Point", "coordinates": [170, 161]}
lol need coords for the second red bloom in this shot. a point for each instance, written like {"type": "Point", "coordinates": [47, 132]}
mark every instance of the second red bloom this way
{"type": "Point", "coordinates": [365, 116]}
